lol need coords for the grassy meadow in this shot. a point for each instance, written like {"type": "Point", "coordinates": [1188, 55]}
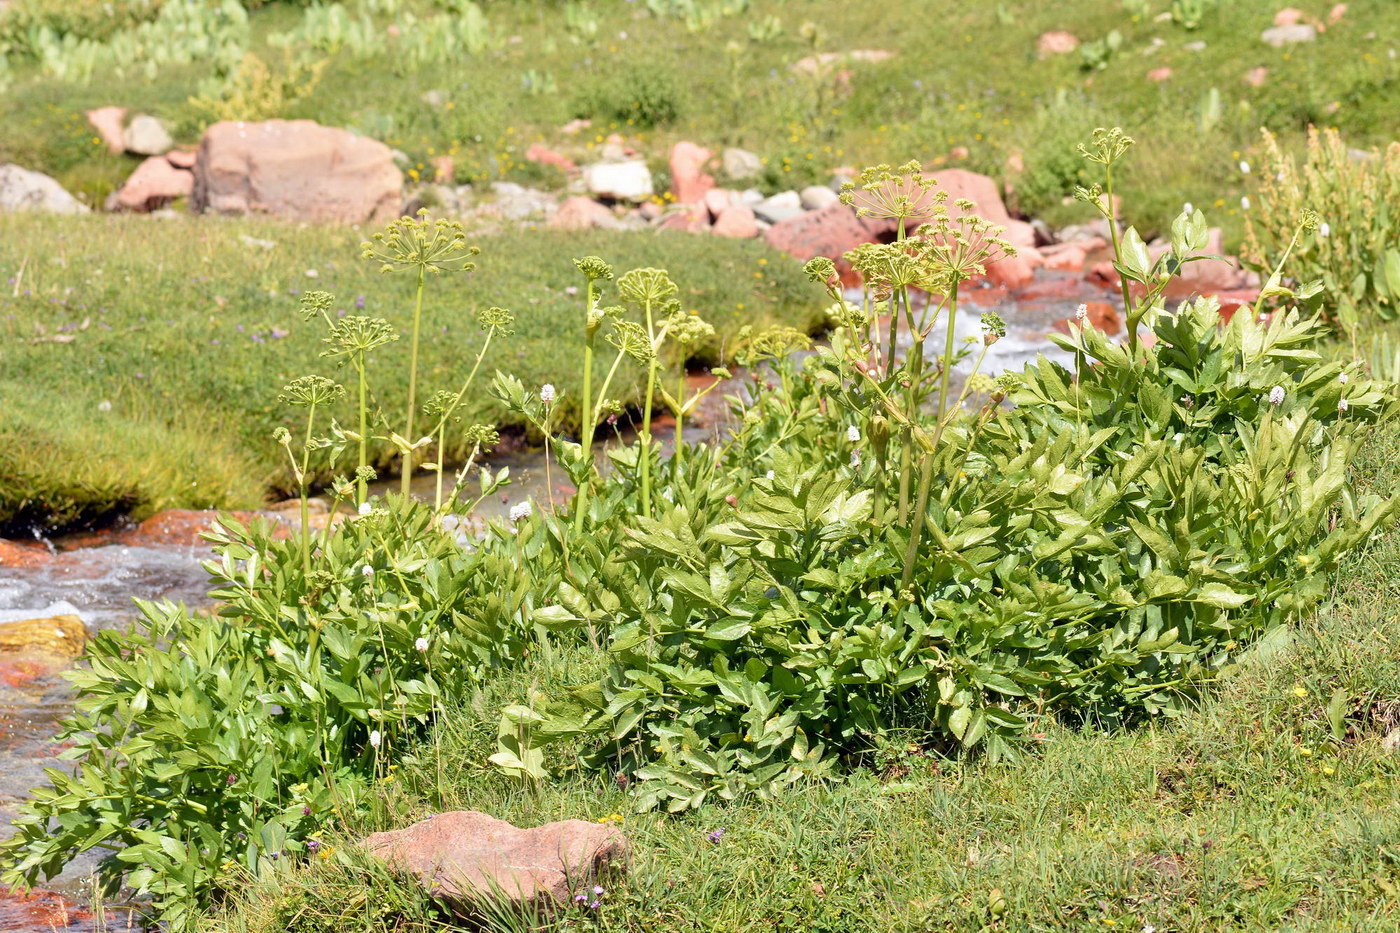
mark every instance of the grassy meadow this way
{"type": "Point", "coordinates": [143, 359]}
{"type": "Point", "coordinates": [726, 78]}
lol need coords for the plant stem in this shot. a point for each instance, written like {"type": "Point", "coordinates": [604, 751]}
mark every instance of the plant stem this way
{"type": "Point", "coordinates": [645, 436]}
{"type": "Point", "coordinates": [362, 485]}
{"type": "Point", "coordinates": [442, 455]}
{"type": "Point", "coordinates": [678, 458]}
{"type": "Point", "coordinates": [1118, 255]}
{"type": "Point", "coordinates": [301, 482]}
{"type": "Point", "coordinates": [586, 418]}
{"type": "Point", "coordinates": [406, 470]}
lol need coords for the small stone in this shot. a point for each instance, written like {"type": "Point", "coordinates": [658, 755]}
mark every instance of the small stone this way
{"type": "Point", "coordinates": [736, 221]}
{"type": "Point", "coordinates": [154, 184]}
{"type": "Point", "coordinates": [444, 169]}
{"type": "Point", "coordinates": [1159, 75]}
{"type": "Point", "coordinates": [1334, 16]}
{"type": "Point", "coordinates": [108, 122]}
{"type": "Point", "coordinates": [621, 181]}
{"type": "Point", "coordinates": [542, 154]}
{"type": "Point", "coordinates": [740, 164]}
{"type": "Point", "coordinates": [1288, 16]}
{"type": "Point", "coordinates": [1279, 36]}
{"type": "Point", "coordinates": [816, 197]}
{"type": "Point", "coordinates": [1056, 43]}
{"type": "Point", "coordinates": [581, 213]}
{"type": "Point", "coordinates": [959, 154]}
{"type": "Point", "coordinates": [574, 127]}
{"type": "Point", "coordinates": [779, 207]}
{"type": "Point", "coordinates": [750, 196]}
{"type": "Point", "coordinates": [1255, 77]}
{"type": "Point", "coordinates": [434, 98]}
{"type": "Point", "coordinates": [1196, 46]}
{"type": "Point", "coordinates": [181, 158]}
{"type": "Point", "coordinates": [146, 135]}
{"type": "Point", "coordinates": [464, 856]}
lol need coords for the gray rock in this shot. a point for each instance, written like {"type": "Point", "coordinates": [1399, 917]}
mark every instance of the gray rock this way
{"type": "Point", "coordinates": [740, 164]}
{"type": "Point", "coordinates": [621, 181]}
{"type": "Point", "coordinates": [816, 197]}
{"type": "Point", "coordinates": [516, 202]}
{"type": "Point", "coordinates": [750, 196]}
{"type": "Point", "coordinates": [146, 135]}
{"type": "Point", "coordinates": [779, 207]}
{"type": "Point", "coordinates": [23, 190]}
{"type": "Point", "coordinates": [1279, 36]}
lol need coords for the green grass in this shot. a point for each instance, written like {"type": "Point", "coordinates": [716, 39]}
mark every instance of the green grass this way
{"type": "Point", "coordinates": [1247, 813]}
{"type": "Point", "coordinates": [937, 93]}
{"type": "Point", "coordinates": [175, 324]}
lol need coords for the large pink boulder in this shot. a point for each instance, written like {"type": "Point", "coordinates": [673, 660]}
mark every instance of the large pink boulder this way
{"type": "Point", "coordinates": [688, 179]}
{"type": "Point", "coordinates": [465, 856]}
{"type": "Point", "coordinates": [737, 221]}
{"type": "Point", "coordinates": [539, 152]}
{"type": "Point", "coordinates": [296, 169]}
{"type": "Point", "coordinates": [156, 182]}
{"type": "Point", "coordinates": [581, 213]}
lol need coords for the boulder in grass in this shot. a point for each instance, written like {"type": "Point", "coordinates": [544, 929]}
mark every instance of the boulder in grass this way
{"type": "Point", "coordinates": [156, 182]}
{"type": "Point", "coordinates": [628, 180]}
{"type": "Point", "coordinates": [1056, 43]}
{"type": "Point", "coordinates": [465, 857]}
{"type": "Point", "coordinates": [146, 135]}
{"type": "Point", "coordinates": [736, 221]}
{"type": "Point", "coordinates": [1279, 36]}
{"type": "Point", "coordinates": [741, 164]}
{"type": "Point", "coordinates": [24, 190]}
{"type": "Point", "coordinates": [109, 122]}
{"type": "Point", "coordinates": [581, 213]}
{"type": "Point", "coordinates": [689, 182]}
{"type": "Point", "coordinates": [298, 170]}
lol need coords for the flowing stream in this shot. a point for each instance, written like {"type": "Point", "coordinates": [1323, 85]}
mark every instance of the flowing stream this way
{"type": "Point", "coordinates": [98, 583]}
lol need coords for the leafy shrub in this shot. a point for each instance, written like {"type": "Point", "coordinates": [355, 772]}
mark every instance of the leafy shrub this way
{"type": "Point", "coordinates": [645, 96]}
{"type": "Point", "coordinates": [1352, 250]}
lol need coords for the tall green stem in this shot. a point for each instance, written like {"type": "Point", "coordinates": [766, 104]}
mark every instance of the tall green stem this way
{"type": "Point", "coordinates": [406, 470]}
{"type": "Point", "coordinates": [678, 459]}
{"type": "Point", "coordinates": [362, 485]}
{"type": "Point", "coordinates": [441, 456]}
{"type": "Point", "coordinates": [906, 435]}
{"type": "Point", "coordinates": [926, 465]}
{"type": "Point", "coordinates": [301, 482]}
{"type": "Point", "coordinates": [1118, 255]}
{"type": "Point", "coordinates": [646, 416]}
{"type": "Point", "coordinates": [586, 412]}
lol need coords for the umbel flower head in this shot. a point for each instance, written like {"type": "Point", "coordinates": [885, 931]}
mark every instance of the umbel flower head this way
{"type": "Point", "coordinates": [497, 319]}
{"type": "Point", "coordinates": [993, 328]}
{"type": "Point", "coordinates": [1106, 146]}
{"type": "Point", "coordinates": [646, 286]}
{"type": "Point", "coordinates": [903, 193]}
{"type": "Point", "coordinates": [441, 402]}
{"type": "Point", "coordinates": [358, 334]}
{"type": "Point", "coordinates": [822, 270]}
{"type": "Point", "coordinates": [594, 268]}
{"type": "Point", "coordinates": [310, 390]}
{"type": "Point", "coordinates": [482, 435]}
{"type": "Point", "coordinates": [631, 338]}
{"type": "Point", "coordinates": [688, 329]}
{"type": "Point", "coordinates": [771, 344]}
{"type": "Point", "coordinates": [316, 304]}
{"type": "Point", "coordinates": [420, 243]}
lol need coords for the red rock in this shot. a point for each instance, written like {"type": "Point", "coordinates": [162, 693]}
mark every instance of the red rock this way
{"type": "Point", "coordinates": [154, 184]}
{"type": "Point", "coordinates": [959, 154]}
{"type": "Point", "coordinates": [1013, 272]}
{"type": "Point", "coordinates": [1056, 43]}
{"type": "Point", "coordinates": [181, 158]}
{"type": "Point", "coordinates": [1051, 288]}
{"type": "Point", "coordinates": [1288, 16]}
{"type": "Point", "coordinates": [463, 856]}
{"type": "Point", "coordinates": [1335, 15]}
{"type": "Point", "coordinates": [574, 127]}
{"type": "Point", "coordinates": [650, 210]}
{"type": "Point", "coordinates": [688, 179]}
{"type": "Point", "coordinates": [444, 169]}
{"type": "Point", "coordinates": [23, 554]}
{"type": "Point", "coordinates": [687, 220]}
{"type": "Point", "coordinates": [178, 526]}
{"type": "Point", "coordinates": [717, 199]}
{"type": "Point", "coordinates": [296, 169]}
{"type": "Point", "coordinates": [539, 152]}
{"type": "Point", "coordinates": [42, 910]}
{"type": "Point", "coordinates": [1233, 301]}
{"type": "Point", "coordinates": [1255, 77]}
{"type": "Point", "coordinates": [109, 123]}
{"type": "Point", "coordinates": [1207, 276]}
{"type": "Point", "coordinates": [1159, 75]}
{"type": "Point", "coordinates": [830, 232]}
{"type": "Point", "coordinates": [1101, 316]}
{"type": "Point", "coordinates": [736, 221]}
{"type": "Point", "coordinates": [1069, 259]}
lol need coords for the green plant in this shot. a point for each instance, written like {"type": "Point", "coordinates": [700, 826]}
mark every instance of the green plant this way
{"type": "Point", "coordinates": [642, 96]}
{"type": "Point", "coordinates": [1188, 13]}
{"type": "Point", "coordinates": [1349, 248]}
{"type": "Point", "coordinates": [253, 92]}
{"type": "Point", "coordinates": [1095, 55]}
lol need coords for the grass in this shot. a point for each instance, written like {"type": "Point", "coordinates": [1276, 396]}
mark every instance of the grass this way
{"type": "Point", "coordinates": [142, 359]}
{"type": "Point", "coordinates": [1252, 811]}
{"type": "Point", "coordinates": [935, 95]}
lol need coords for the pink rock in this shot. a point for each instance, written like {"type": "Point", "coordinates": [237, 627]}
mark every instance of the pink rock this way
{"type": "Point", "coordinates": [1255, 77]}
{"type": "Point", "coordinates": [444, 169]}
{"type": "Point", "coordinates": [154, 184]}
{"type": "Point", "coordinates": [688, 179]}
{"type": "Point", "coordinates": [575, 126]}
{"type": "Point", "coordinates": [649, 211]}
{"type": "Point", "coordinates": [539, 152]}
{"type": "Point", "coordinates": [1288, 16]}
{"type": "Point", "coordinates": [1101, 316]}
{"type": "Point", "coordinates": [830, 232]}
{"type": "Point", "coordinates": [959, 154]}
{"type": "Point", "coordinates": [108, 121]}
{"type": "Point", "coordinates": [717, 199]}
{"type": "Point", "coordinates": [1335, 15]}
{"type": "Point", "coordinates": [1069, 259]}
{"type": "Point", "coordinates": [581, 213]}
{"type": "Point", "coordinates": [464, 856]}
{"type": "Point", "coordinates": [687, 220]}
{"type": "Point", "coordinates": [296, 169]}
{"type": "Point", "coordinates": [181, 158]}
{"type": "Point", "coordinates": [1056, 43]}
{"type": "Point", "coordinates": [736, 221]}
{"type": "Point", "coordinates": [1013, 272]}
{"type": "Point", "coordinates": [1159, 75]}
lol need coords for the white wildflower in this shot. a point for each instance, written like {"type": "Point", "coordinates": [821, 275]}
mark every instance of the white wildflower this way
{"type": "Point", "coordinates": [520, 511]}
{"type": "Point", "coordinates": [1324, 229]}
{"type": "Point", "coordinates": [421, 644]}
{"type": "Point", "coordinates": [364, 508]}
{"type": "Point", "coordinates": [366, 571]}
{"type": "Point", "coordinates": [375, 738]}
{"type": "Point", "coordinates": [104, 405]}
{"type": "Point", "coordinates": [1244, 167]}
{"type": "Point", "coordinates": [853, 434]}
{"type": "Point", "coordinates": [1342, 406]}
{"type": "Point", "coordinates": [1276, 396]}
{"type": "Point", "coordinates": [1081, 313]}
{"type": "Point", "coordinates": [547, 393]}
{"type": "Point", "coordinates": [1244, 203]}
{"type": "Point", "coordinates": [1343, 378]}
{"type": "Point", "coordinates": [855, 458]}
{"type": "Point", "coordinates": [1188, 208]}
{"type": "Point", "coordinates": [769, 474]}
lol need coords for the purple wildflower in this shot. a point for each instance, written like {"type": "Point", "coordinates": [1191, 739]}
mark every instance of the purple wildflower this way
{"type": "Point", "coordinates": [715, 835]}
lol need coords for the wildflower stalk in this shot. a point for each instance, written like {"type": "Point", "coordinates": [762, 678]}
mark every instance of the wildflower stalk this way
{"type": "Point", "coordinates": [301, 482]}
{"type": "Point", "coordinates": [646, 413]}
{"type": "Point", "coordinates": [587, 416]}
{"type": "Point", "coordinates": [678, 458]}
{"type": "Point", "coordinates": [406, 469]}
{"type": "Point", "coordinates": [361, 474]}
